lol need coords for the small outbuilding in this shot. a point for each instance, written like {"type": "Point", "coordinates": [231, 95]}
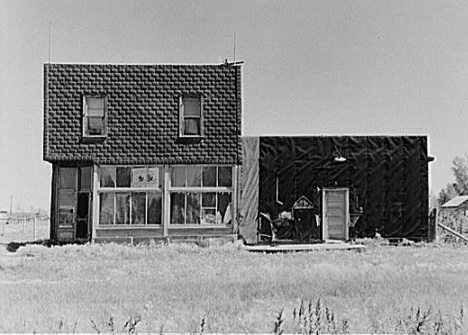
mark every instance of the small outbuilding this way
{"type": "Point", "coordinates": [459, 203]}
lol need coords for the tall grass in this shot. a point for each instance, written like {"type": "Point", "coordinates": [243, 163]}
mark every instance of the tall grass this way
{"type": "Point", "coordinates": [174, 288]}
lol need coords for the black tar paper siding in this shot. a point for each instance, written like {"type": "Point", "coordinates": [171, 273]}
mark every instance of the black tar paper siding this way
{"type": "Point", "coordinates": [386, 175]}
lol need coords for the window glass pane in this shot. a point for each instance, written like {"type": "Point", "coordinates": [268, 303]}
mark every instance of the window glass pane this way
{"type": "Point", "coordinates": [209, 176]}
{"type": "Point", "coordinates": [191, 106]}
{"type": "Point", "coordinates": [85, 180]}
{"type": "Point", "coordinates": [192, 126]}
{"type": "Point", "coordinates": [154, 177]}
{"type": "Point", "coordinates": [138, 177]}
{"type": "Point", "coordinates": [209, 199]}
{"type": "Point", "coordinates": [106, 208]}
{"type": "Point", "coordinates": [154, 208]}
{"type": "Point", "coordinates": [97, 113]}
{"type": "Point", "coordinates": [67, 178]}
{"type": "Point", "coordinates": [82, 211]}
{"type": "Point", "coordinates": [123, 176]}
{"type": "Point", "coordinates": [178, 207]}
{"type": "Point", "coordinates": [178, 176]}
{"type": "Point", "coordinates": [122, 211]}
{"type": "Point", "coordinates": [225, 176]}
{"type": "Point", "coordinates": [95, 103]}
{"type": "Point", "coordinates": [94, 117]}
{"type": "Point", "coordinates": [209, 216]}
{"type": "Point", "coordinates": [107, 176]}
{"type": "Point", "coordinates": [193, 176]}
{"type": "Point", "coordinates": [138, 207]}
{"type": "Point", "coordinates": [67, 198]}
{"type": "Point", "coordinates": [66, 216]}
{"type": "Point", "coordinates": [224, 207]}
{"type": "Point", "coordinates": [95, 126]}
{"type": "Point", "coordinates": [193, 208]}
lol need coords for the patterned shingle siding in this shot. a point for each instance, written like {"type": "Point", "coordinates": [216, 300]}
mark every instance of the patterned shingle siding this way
{"type": "Point", "coordinates": [143, 113]}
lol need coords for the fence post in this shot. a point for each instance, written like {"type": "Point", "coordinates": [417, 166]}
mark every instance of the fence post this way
{"type": "Point", "coordinates": [433, 225]}
{"type": "Point", "coordinates": [34, 228]}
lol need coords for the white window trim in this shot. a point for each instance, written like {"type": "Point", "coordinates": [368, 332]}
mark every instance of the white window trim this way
{"type": "Point", "coordinates": [181, 115]}
{"type": "Point", "coordinates": [165, 190]}
{"type": "Point", "coordinates": [201, 189]}
{"type": "Point", "coordinates": [116, 190]}
{"type": "Point", "coordinates": [84, 117]}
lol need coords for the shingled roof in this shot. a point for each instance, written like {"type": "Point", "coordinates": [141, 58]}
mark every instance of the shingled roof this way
{"type": "Point", "coordinates": [143, 107]}
{"type": "Point", "coordinates": [456, 202]}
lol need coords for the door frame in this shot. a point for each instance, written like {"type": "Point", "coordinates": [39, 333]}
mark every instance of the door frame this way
{"type": "Point", "coordinates": [70, 232]}
{"type": "Point", "coordinates": [325, 235]}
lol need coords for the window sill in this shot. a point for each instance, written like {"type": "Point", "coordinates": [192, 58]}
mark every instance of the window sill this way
{"type": "Point", "coordinates": [129, 226]}
{"type": "Point", "coordinates": [197, 226]}
{"type": "Point", "coordinates": [129, 189]}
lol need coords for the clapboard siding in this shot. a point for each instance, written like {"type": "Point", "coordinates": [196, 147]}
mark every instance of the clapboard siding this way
{"type": "Point", "coordinates": [126, 232]}
{"type": "Point", "coordinates": [199, 231]}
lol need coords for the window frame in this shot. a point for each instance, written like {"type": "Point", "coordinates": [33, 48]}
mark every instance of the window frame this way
{"type": "Point", "coordinates": [148, 190]}
{"type": "Point", "coordinates": [182, 117]}
{"type": "Point", "coordinates": [200, 190]}
{"type": "Point", "coordinates": [85, 116]}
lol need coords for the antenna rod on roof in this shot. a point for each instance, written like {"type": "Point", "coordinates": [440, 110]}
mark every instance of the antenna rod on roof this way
{"type": "Point", "coordinates": [50, 38]}
{"type": "Point", "coordinates": [234, 49]}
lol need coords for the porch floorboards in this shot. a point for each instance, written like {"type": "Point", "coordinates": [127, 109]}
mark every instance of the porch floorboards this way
{"type": "Point", "coordinates": [327, 246]}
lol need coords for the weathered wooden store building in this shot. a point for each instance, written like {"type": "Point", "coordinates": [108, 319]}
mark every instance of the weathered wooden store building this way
{"type": "Point", "coordinates": [144, 152]}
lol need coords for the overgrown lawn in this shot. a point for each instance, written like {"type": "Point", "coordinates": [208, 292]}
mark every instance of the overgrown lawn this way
{"type": "Point", "coordinates": [187, 288]}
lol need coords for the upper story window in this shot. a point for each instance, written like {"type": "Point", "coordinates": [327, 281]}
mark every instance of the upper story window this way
{"type": "Point", "coordinates": [94, 116]}
{"type": "Point", "coordinates": [191, 116]}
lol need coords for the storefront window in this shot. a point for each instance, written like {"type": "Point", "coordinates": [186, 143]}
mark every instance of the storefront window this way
{"type": "Point", "coordinates": [133, 195]}
{"type": "Point", "coordinates": [106, 208]}
{"type": "Point", "coordinates": [193, 176]}
{"type": "Point", "coordinates": [107, 176]}
{"type": "Point", "coordinates": [178, 207]}
{"type": "Point", "coordinates": [201, 195]}
{"type": "Point", "coordinates": [154, 208]}
{"type": "Point", "coordinates": [130, 195]}
{"type": "Point", "coordinates": [138, 208]}
{"type": "Point", "coordinates": [209, 176]}
{"type": "Point", "coordinates": [123, 176]}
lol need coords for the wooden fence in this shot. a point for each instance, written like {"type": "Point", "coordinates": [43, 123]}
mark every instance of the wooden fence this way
{"type": "Point", "coordinates": [24, 228]}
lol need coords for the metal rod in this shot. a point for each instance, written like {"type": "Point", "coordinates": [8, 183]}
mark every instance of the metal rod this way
{"type": "Point", "coordinates": [50, 38]}
{"type": "Point", "coordinates": [234, 56]}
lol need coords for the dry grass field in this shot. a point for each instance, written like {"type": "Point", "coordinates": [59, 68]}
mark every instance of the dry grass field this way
{"type": "Point", "coordinates": [187, 288]}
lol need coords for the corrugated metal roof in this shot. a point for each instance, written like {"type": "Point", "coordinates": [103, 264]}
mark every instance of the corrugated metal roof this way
{"type": "Point", "coordinates": [455, 202]}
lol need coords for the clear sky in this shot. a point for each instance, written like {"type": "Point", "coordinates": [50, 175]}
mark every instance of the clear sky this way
{"type": "Point", "coordinates": [311, 67]}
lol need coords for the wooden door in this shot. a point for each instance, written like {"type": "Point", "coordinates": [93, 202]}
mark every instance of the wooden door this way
{"type": "Point", "coordinates": [84, 203]}
{"type": "Point", "coordinates": [74, 204]}
{"type": "Point", "coordinates": [336, 214]}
